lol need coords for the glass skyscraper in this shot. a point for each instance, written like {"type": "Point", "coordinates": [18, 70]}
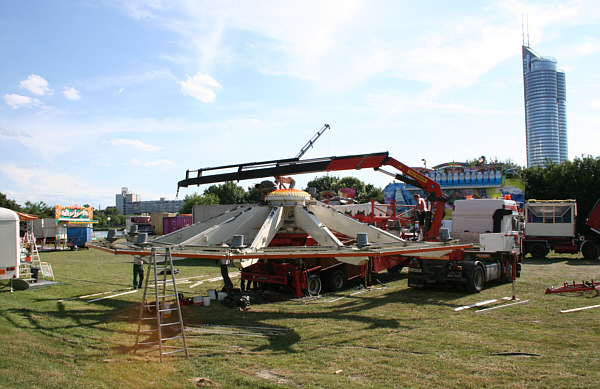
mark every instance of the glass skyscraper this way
{"type": "Point", "coordinates": [545, 109]}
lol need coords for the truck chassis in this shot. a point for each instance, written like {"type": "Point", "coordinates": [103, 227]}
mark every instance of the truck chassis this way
{"type": "Point", "coordinates": [465, 269]}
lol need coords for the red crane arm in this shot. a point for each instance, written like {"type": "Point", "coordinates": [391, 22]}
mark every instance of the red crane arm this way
{"type": "Point", "coordinates": [292, 166]}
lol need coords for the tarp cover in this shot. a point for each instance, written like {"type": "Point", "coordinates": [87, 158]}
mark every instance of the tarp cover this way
{"type": "Point", "coordinates": [26, 216]}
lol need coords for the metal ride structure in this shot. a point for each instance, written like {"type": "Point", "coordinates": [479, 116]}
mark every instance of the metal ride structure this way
{"type": "Point", "coordinates": [295, 241]}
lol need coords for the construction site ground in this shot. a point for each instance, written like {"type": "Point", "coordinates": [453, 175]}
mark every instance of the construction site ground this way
{"type": "Point", "coordinates": [80, 332]}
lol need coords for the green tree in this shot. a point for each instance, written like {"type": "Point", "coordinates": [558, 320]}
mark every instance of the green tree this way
{"type": "Point", "coordinates": [227, 193]}
{"type": "Point", "coordinates": [324, 183]}
{"type": "Point", "coordinates": [7, 203]}
{"type": "Point", "coordinates": [41, 209]}
{"type": "Point", "coordinates": [252, 195]}
{"type": "Point", "coordinates": [109, 218]}
{"type": "Point", "coordinates": [372, 192]}
{"type": "Point", "coordinates": [196, 199]}
{"type": "Point", "coordinates": [364, 192]}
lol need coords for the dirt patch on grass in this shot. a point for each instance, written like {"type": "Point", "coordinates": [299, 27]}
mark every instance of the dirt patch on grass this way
{"type": "Point", "coordinates": [272, 376]}
{"type": "Point", "coordinates": [204, 382]}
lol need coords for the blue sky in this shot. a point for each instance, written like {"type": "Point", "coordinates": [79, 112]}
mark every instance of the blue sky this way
{"type": "Point", "coordinates": [97, 95]}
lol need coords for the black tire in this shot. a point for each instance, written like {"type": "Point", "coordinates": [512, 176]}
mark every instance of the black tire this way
{"type": "Point", "coordinates": [590, 250]}
{"type": "Point", "coordinates": [538, 250]}
{"type": "Point", "coordinates": [475, 280]}
{"type": "Point", "coordinates": [313, 285]}
{"type": "Point", "coordinates": [395, 269]}
{"type": "Point", "coordinates": [336, 280]}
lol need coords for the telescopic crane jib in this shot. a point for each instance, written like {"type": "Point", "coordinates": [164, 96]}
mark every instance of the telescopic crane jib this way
{"type": "Point", "coordinates": [312, 141]}
{"type": "Point", "coordinates": [284, 167]}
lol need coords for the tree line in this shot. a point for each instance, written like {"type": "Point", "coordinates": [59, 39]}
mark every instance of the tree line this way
{"type": "Point", "coordinates": [231, 193]}
{"type": "Point", "coordinates": [578, 179]}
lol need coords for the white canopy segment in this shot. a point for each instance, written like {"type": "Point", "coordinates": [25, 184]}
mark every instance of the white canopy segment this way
{"type": "Point", "coordinates": [285, 211]}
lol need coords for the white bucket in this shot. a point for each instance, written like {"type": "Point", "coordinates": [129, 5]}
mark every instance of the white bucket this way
{"type": "Point", "coordinates": [166, 314]}
{"type": "Point", "coordinates": [197, 300]}
{"type": "Point", "coordinates": [222, 295]}
{"type": "Point", "coordinates": [212, 294]}
{"type": "Point", "coordinates": [206, 301]}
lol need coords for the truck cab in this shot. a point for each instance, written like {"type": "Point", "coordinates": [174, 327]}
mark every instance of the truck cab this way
{"type": "Point", "coordinates": [494, 225]}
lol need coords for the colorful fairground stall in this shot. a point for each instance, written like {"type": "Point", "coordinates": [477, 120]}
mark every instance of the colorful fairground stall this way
{"type": "Point", "coordinates": [71, 226]}
{"type": "Point", "coordinates": [460, 181]}
{"type": "Point", "coordinates": [78, 222]}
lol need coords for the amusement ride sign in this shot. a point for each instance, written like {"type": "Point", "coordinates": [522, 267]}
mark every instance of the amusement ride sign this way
{"type": "Point", "coordinates": [74, 214]}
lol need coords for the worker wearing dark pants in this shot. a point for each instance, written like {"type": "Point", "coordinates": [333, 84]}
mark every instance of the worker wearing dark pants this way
{"type": "Point", "coordinates": [138, 272]}
{"type": "Point", "coordinates": [423, 215]}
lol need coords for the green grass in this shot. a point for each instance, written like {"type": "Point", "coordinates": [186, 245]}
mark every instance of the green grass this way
{"type": "Point", "coordinates": [390, 337]}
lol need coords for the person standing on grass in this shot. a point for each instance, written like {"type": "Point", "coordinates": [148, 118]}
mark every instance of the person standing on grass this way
{"type": "Point", "coordinates": [138, 271]}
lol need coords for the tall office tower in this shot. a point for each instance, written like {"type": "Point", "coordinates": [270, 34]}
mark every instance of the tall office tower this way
{"type": "Point", "coordinates": [545, 109]}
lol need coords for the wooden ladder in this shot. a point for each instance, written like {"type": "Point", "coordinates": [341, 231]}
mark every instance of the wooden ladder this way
{"type": "Point", "coordinates": [158, 318]}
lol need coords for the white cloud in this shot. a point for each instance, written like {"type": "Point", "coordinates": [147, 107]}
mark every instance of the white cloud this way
{"type": "Point", "coordinates": [52, 187]}
{"type": "Point", "coordinates": [200, 87]}
{"type": "Point", "coordinates": [589, 47]}
{"type": "Point", "coordinates": [158, 162]}
{"type": "Point", "coordinates": [134, 144]}
{"type": "Point", "coordinates": [128, 79]}
{"type": "Point", "coordinates": [71, 93]}
{"type": "Point", "coordinates": [10, 133]}
{"type": "Point", "coordinates": [36, 85]}
{"type": "Point", "coordinates": [18, 101]}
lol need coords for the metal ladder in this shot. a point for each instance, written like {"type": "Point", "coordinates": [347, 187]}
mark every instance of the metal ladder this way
{"type": "Point", "coordinates": [29, 257]}
{"type": "Point", "coordinates": [158, 315]}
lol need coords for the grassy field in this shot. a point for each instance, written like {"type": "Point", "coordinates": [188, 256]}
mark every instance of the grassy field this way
{"type": "Point", "coordinates": [392, 336]}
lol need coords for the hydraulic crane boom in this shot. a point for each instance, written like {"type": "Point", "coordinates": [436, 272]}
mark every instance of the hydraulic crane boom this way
{"type": "Point", "coordinates": [254, 170]}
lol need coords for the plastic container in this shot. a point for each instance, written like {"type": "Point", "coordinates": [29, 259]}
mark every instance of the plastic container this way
{"type": "Point", "coordinates": [212, 294]}
{"type": "Point", "coordinates": [222, 295]}
{"type": "Point", "coordinates": [206, 301]}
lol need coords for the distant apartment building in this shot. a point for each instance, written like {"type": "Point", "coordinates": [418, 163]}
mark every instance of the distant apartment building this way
{"type": "Point", "coordinates": [545, 109]}
{"type": "Point", "coordinates": [131, 204]}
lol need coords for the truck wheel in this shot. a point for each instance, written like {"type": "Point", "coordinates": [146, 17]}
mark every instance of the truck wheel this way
{"type": "Point", "coordinates": [336, 280]}
{"type": "Point", "coordinates": [313, 285]}
{"type": "Point", "coordinates": [475, 280]}
{"type": "Point", "coordinates": [538, 250]}
{"type": "Point", "coordinates": [590, 250]}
